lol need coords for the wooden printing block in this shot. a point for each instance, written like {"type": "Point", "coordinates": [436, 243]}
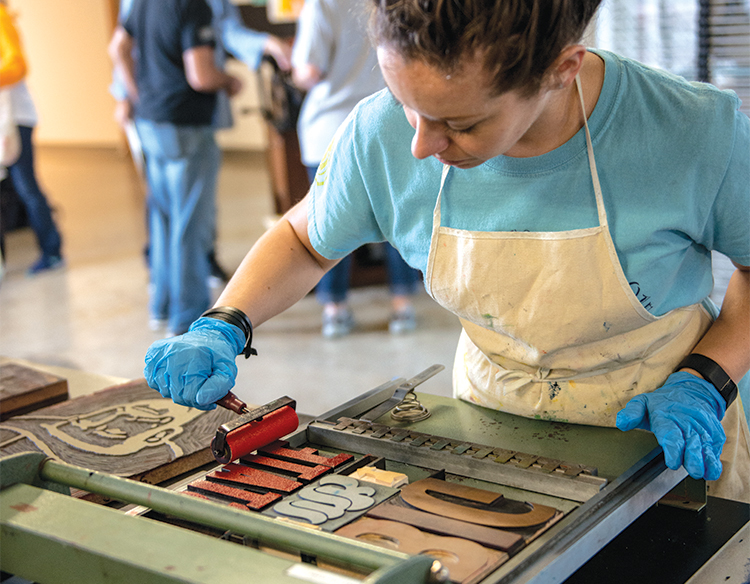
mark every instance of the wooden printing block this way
{"type": "Point", "coordinates": [481, 507]}
{"type": "Point", "coordinates": [395, 510]}
{"type": "Point", "coordinates": [467, 561]}
{"type": "Point", "coordinates": [380, 476]}
{"type": "Point", "coordinates": [237, 473]}
{"type": "Point", "coordinates": [254, 501]}
{"type": "Point", "coordinates": [302, 473]}
{"type": "Point", "coordinates": [308, 456]}
{"type": "Point", "coordinates": [232, 504]}
{"type": "Point", "coordinates": [23, 390]}
{"type": "Point", "coordinates": [128, 430]}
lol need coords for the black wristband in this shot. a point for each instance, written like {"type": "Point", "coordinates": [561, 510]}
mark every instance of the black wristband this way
{"type": "Point", "coordinates": [239, 319]}
{"type": "Point", "coordinates": [712, 372]}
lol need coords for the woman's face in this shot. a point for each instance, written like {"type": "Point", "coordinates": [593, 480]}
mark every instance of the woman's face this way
{"type": "Point", "coordinates": [456, 117]}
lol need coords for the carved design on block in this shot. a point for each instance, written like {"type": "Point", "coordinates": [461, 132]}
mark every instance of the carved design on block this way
{"type": "Point", "coordinates": [328, 499]}
{"type": "Point", "coordinates": [331, 502]}
{"type": "Point", "coordinates": [301, 472]}
{"type": "Point", "coordinates": [128, 430]}
{"type": "Point", "coordinates": [308, 456]}
{"type": "Point", "coordinates": [466, 561]}
{"type": "Point", "coordinates": [252, 500]}
{"type": "Point", "coordinates": [394, 510]}
{"type": "Point", "coordinates": [481, 507]}
{"type": "Point", "coordinates": [237, 473]}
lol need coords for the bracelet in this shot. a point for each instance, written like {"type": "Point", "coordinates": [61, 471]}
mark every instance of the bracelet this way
{"type": "Point", "coordinates": [712, 372]}
{"type": "Point", "coordinates": [239, 319]}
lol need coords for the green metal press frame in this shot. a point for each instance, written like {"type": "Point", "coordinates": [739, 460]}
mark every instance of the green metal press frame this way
{"type": "Point", "coordinates": [50, 537]}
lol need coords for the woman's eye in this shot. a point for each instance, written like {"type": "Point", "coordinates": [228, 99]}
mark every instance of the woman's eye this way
{"type": "Point", "coordinates": [466, 130]}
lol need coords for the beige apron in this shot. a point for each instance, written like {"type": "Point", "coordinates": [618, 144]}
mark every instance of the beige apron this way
{"type": "Point", "coordinates": [552, 329]}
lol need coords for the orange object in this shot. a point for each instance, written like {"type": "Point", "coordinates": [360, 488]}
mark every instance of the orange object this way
{"type": "Point", "coordinates": [254, 430]}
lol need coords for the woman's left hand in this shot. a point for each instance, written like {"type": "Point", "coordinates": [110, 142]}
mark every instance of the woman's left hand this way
{"type": "Point", "coordinates": [684, 415]}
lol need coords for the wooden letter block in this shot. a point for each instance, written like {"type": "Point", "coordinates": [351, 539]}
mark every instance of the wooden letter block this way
{"type": "Point", "coordinates": [481, 506]}
{"type": "Point", "coordinates": [466, 561]}
{"type": "Point", "coordinates": [302, 473]}
{"type": "Point", "coordinates": [237, 473]}
{"type": "Point", "coordinates": [308, 456]}
{"type": "Point", "coordinates": [128, 430]}
{"type": "Point", "coordinates": [254, 501]}
{"type": "Point", "coordinates": [498, 539]}
{"type": "Point", "coordinates": [23, 390]}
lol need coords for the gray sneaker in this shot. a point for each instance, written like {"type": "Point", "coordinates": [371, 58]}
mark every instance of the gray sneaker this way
{"type": "Point", "coordinates": [339, 324]}
{"type": "Point", "coordinates": [402, 322]}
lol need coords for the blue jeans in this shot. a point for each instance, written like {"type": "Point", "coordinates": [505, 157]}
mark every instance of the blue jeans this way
{"type": "Point", "coordinates": [182, 164]}
{"type": "Point", "coordinates": [37, 209]}
{"type": "Point", "coordinates": [334, 286]}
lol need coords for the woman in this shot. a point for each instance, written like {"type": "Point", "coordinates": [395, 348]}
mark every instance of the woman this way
{"type": "Point", "coordinates": [561, 201]}
{"type": "Point", "coordinates": [12, 73]}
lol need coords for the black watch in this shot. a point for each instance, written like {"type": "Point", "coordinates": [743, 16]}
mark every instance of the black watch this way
{"type": "Point", "coordinates": [239, 319]}
{"type": "Point", "coordinates": [712, 372]}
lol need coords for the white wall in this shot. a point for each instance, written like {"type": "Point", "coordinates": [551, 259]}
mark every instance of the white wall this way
{"type": "Point", "coordinates": [69, 70]}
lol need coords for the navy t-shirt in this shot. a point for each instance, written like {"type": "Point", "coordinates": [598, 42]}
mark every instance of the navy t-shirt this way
{"type": "Point", "coordinates": [162, 32]}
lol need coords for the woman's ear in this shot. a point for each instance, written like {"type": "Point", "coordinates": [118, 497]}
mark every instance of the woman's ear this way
{"type": "Point", "coordinates": [567, 65]}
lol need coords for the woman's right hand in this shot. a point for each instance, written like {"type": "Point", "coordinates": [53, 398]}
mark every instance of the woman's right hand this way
{"type": "Point", "coordinates": [198, 368]}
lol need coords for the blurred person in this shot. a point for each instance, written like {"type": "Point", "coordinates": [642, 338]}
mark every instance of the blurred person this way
{"type": "Point", "coordinates": [233, 38]}
{"type": "Point", "coordinates": [172, 82]}
{"type": "Point", "coordinates": [334, 61]}
{"type": "Point", "coordinates": [12, 73]}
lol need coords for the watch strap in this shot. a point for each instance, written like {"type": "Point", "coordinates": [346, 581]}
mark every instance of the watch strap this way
{"type": "Point", "coordinates": [237, 318]}
{"type": "Point", "coordinates": [712, 372]}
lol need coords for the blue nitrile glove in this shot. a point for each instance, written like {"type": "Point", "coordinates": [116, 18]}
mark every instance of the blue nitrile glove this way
{"type": "Point", "coordinates": [684, 415]}
{"type": "Point", "coordinates": [196, 369]}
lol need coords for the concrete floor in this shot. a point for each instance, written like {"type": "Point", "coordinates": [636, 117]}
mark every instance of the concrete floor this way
{"type": "Point", "coordinates": [88, 322]}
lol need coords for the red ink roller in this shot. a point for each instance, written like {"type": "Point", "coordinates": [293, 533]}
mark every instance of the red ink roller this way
{"type": "Point", "coordinates": [255, 429]}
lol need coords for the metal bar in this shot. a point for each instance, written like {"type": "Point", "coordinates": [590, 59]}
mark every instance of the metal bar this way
{"type": "Point", "coordinates": [265, 529]}
{"type": "Point", "coordinates": [557, 484]}
{"type": "Point", "coordinates": [556, 554]}
{"type": "Point", "coordinates": [357, 406]}
{"type": "Point", "coordinates": [51, 538]}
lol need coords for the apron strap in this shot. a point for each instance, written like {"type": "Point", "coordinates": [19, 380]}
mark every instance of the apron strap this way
{"type": "Point", "coordinates": [436, 212]}
{"type": "Point", "coordinates": [436, 218]}
{"type": "Point", "coordinates": [592, 163]}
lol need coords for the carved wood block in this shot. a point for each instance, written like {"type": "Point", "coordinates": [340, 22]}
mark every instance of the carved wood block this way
{"type": "Point", "coordinates": [244, 475]}
{"type": "Point", "coordinates": [23, 390]}
{"type": "Point", "coordinates": [474, 505]}
{"type": "Point", "coordinates": [467, 561]}
{"type": "Point", "coordinates": [379, 476]}
{"type": "Point", "coordinates": [128, 430]}
{"type": "Point", "coordinates": [255, 501]}
{"type": "Point", "coordinates": [308, 456]}
{"type": "Point", "coordinates": [331, 502]}
{"type": "Point", "coordinates": [232, 504]}
{"type": "Point", "coordinates": [302, 473]}
{"type": "Point", "coordinates": [395, 510]}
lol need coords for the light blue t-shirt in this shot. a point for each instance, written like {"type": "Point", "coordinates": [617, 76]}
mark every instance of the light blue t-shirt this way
{"type": "Point", "coordinates": [673, 159]}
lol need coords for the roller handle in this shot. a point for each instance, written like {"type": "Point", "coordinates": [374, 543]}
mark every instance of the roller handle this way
{"type": "Point", "coordinates": [233, 403]}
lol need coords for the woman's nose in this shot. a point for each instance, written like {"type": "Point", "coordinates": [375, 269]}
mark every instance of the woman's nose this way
{"type": "Point", "coordinates": [429, 139]}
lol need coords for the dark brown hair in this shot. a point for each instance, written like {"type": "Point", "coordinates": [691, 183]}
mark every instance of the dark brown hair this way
{"type": "Point", "coordinates": [518, 39]}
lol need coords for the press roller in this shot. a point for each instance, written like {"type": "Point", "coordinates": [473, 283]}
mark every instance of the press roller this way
{"type": "Point", "coordinates": [255, 429]}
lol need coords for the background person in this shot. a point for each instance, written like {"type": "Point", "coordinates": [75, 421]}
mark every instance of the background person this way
{"type": "Point", "coordinates": [562, 202]}
{"type": "Point", "coordinates": [234, 38]}
{"type": "Point", "coordinates": [22, 173]}
{"type": "Point", "coordinates": [334, 61]}
{"type": "Point", "coordinates": [173, 86]}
